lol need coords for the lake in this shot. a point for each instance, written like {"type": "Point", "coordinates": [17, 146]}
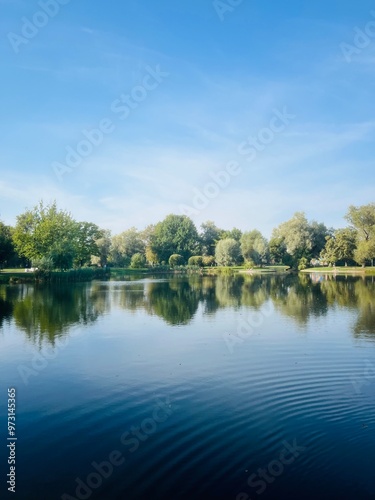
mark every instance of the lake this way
{"type": "Point", "coordinates": [226, 387]}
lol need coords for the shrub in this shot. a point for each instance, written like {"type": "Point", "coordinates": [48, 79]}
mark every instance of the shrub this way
{"type": "Point", "coordinates": [176, 260]}
{"type": "Point", "coordinates": [44, 264]}
{"type": "Point", "coordinates": [196, 260]}
{"type": "Point", "coordinates": [208, 260]}
{"type": "Point", "coordinates": [138, 261]}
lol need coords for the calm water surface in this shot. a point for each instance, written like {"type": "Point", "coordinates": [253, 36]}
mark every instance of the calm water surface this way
{"type": "Point", "coordinates": [191, 388]}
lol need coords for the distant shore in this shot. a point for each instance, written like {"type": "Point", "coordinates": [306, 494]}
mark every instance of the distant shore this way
{"type": "Point", "coordinates": [18, 276]}
{"type": "Point", "coordinates": [341, 270]}
{"type": "Point", "coordinates": [15, 276]}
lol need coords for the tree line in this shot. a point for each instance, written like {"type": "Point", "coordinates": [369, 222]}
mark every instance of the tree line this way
{"type": "Point", "coordinates": [49, 238]}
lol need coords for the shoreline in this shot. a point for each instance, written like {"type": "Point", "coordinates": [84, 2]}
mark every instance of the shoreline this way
{"type": "Point", "coordinates": [369, 271]}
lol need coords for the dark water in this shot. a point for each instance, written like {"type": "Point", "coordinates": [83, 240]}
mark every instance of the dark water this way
{"type": "Point", "coordinates": [192, 388]}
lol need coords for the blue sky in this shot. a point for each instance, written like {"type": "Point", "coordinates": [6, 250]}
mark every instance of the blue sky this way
{"type": "Point", "coordinates": [225, 70]}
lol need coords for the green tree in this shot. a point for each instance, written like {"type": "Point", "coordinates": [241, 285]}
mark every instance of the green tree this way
{"type": "Point", "coordinates": [45, 264]}
{"type": "Point", "coordinates": [302, 263]}
{"type": "Point", "coordinates": [318, 235]}
{"type": "Point", "coordinates": [196, 260]}
{"type": "Point", "coordinates": [210, 235]}
{"type": "Point", "coordinates": [6, 244]}
{"type": "Point", "coordinates": [208, 260]}
{"type": "Point", "coordinates": [61, 254]}
{"type": "Point", "coordinates": [228, 252]}
{"type": "Point", "coordinates": [138, 261]}
{"type": "Point", "coordinates": [176, 260]}
{"type": "Point", "coordinates": [340, 246]}
{"type": "Point", "coordinates": [45, 231]}
{"type": "Point", "coordinates": [176, 234]}
{"type": "Point", "coordinates": [365, 252]}
{"type": "Point", "coordinates": [254, 247]}
{"type": "Point", "coordinates": [300, 237]}
{"type": "Point", "coordinates": [125, 245]}
{"type": "Point", "coordinates": [234, 233]}
{"type": "Point", "coordinates": [277, 251]}
{"type": "Point", "coordinates": [104, 246]}
{"type": "Point", "coordinates": [362, 219]}
{"type": "Point", "coordinates": [86, 236]}
{"type": "Point", "coordinates": [146, 236]}
{"type": "Point", "coordinates": [296, 235]}
{"type": "Point", "coordinates": [151, 256]}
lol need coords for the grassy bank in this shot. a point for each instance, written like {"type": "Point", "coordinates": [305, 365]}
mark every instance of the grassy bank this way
{"type": "Point", "coordinates": [122, 272]}
{"type": "Point", "coordinates": [266, 270]}
{"type": "Point", "coordinates": [88, 274]}
{"type": "Point", "coordinates": [118, 272]}
{"type": "Point", "coordinates": [341, 270]}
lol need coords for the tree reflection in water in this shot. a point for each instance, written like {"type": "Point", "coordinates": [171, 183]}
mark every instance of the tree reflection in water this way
{"type": "Point", "coordinates": [47, 312]}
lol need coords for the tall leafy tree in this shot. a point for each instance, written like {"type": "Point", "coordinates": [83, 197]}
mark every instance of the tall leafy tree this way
{"type": "Point", "coordinates": [146, 236]}
{"type": "Point", "coordinates": [254, 247]}
{"type": "Point", "coordinates": [362, 219]}
{"type": "Point", "coordinates": [125, 245]}
{"type": "Point", "coordinates": [340, 246]}
{"type": "Point", "coordinates": [147, 233]}
{"type": "Point", "coordinates": [104, 247]}
{"type": "Point", "coordinates": [228, 252]}
{"type": "Point", "coordinates": [365, 252]}
{"type": "Point", "coordinates": [6, 243]}
{"type": "Point", "coordinates": [318, 234]}
{"type": "Point", "coordinates": [277, 251]}
{"type": "Point", "coordinates": [301, 238]}
{"type": "Point", "coordinates": [296, 235]}
{"type": "Point", "coordinates": [210, 235]}
{"type": "Point", "coordinates": [86, 235]}
{"type": "Point", "coordinates": [45, 231]}
{"type": "Point", "coordinates": [176, 234]}
{"type": "Point", "coordinates": [234, 233]}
